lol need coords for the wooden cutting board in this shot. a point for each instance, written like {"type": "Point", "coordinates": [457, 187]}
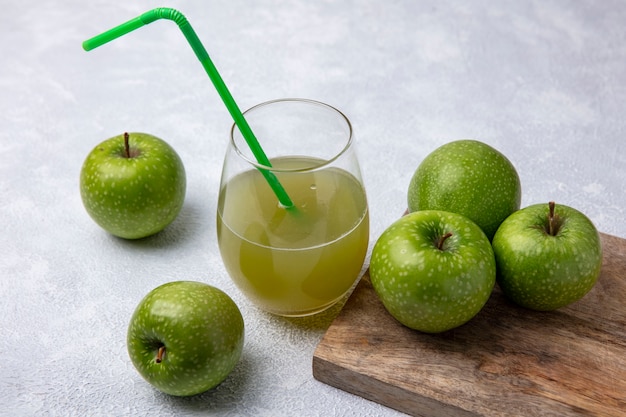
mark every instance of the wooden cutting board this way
{"type": "Point", "coordinates": [507, 361]}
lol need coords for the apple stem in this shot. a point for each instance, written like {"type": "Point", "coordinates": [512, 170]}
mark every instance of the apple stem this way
{"type": "Point", "coordinates": [160, 354]}
{"type": "Point", "coordinates": [553, 226]}
{"type": "Point", "coordinates": [442, 239]}
{"type": "Point", "coordinates": [126, 145]}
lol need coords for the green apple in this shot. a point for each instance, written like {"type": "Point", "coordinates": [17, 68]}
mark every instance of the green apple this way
{"type": "Point", "coordinates": [547, 257]}
{"type": "Point", "coordinates": [185, 337]}
{"type": "Point", "coordinates": [133, 185]}
{"type": "Point", "coordinates": [433, 270]}
{"type": "Point", "coordinates": [470, 178]}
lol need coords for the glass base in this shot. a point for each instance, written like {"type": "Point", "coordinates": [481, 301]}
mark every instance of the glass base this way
{"type": "Point", "coordinates": [312, 312]}
{"type": "Point", "coordinates": [306, 313]}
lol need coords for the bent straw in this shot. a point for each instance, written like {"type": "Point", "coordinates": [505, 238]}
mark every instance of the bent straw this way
{"type": "Point", "coordinates": [195, 43]}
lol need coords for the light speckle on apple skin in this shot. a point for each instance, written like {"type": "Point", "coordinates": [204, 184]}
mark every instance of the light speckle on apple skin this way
{"type": "Point", "coordinates": [136, 208]}
{"type": "Point", "coordinates": [202, 330]}
{"type": "Point", "coordinates": [427, 289]}
{"type": "Point", "coordinates": [543, 272]}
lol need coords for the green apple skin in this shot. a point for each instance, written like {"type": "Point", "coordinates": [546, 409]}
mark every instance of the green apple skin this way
{"type": "Point", "coordinates": [201, 330]}
{"type": "Point", "coordinates": [467, 177]}
{"type": "Point", "coordinates": [543, 272]}
{"type": "Point", "coordinates": [430, 289]}
{"type": "Point", "coordinates": [137, 196]}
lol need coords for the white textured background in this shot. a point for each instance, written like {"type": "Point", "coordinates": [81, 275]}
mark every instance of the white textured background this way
{"type": "Point", "coordinates": [542, 81]}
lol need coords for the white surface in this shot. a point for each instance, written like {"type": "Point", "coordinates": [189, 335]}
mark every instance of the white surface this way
{"type": "Point", "coordinates": [542, 81]}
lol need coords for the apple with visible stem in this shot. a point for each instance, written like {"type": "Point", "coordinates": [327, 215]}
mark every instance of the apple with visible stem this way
{"type": "Point", "coordinates": [185, 337]}
{"type": "Point", "coordinates": [467, 177]}
{"type": "Point", "coordinates": [547, 256]}
{"type": "Point", "coordinates": [433, 270]}
{"type": "Point", "coordinates": [133, 185]}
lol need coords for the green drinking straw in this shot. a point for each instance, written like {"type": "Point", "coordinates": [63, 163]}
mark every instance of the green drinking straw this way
{"type": "Point", "coordinates": [195, 43]}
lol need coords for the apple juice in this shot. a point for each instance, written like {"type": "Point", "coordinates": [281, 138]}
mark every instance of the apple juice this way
{"type": "Point", "coordinates": [295, 261]}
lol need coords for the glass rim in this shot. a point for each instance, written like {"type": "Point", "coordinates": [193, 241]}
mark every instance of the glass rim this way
{"type": "Point", "coordinates": [323, 162]}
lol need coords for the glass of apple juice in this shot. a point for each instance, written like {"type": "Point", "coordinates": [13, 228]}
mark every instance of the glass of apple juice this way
{"type": "Point", "coordinates": [301, 260]}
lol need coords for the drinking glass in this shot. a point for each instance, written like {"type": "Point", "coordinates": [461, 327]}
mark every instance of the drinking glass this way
{"type": "Point", "coordinates": [301, 260]}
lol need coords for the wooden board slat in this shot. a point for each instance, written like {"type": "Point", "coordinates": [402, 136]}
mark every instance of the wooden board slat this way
{"type": "Point", "coordinates": [507, 361]}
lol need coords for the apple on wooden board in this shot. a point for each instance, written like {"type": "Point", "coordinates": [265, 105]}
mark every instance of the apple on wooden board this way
{"type": "Point", "coordinates": [433, 270]}
{"type": "Point", "coordinates": [547, 256]}
{"type": "Point", "coordinates": [467, 177]}
{"type": "Point", "coordinates": [133, 185]}
{"type": "Point", "coordinates": [185, 337]}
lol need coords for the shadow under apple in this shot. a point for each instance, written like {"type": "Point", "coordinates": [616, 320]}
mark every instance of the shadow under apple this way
{"type": "Point", "coordinates": [189, 226]}
{"type": "Point", "coordinates": [223, 397]}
